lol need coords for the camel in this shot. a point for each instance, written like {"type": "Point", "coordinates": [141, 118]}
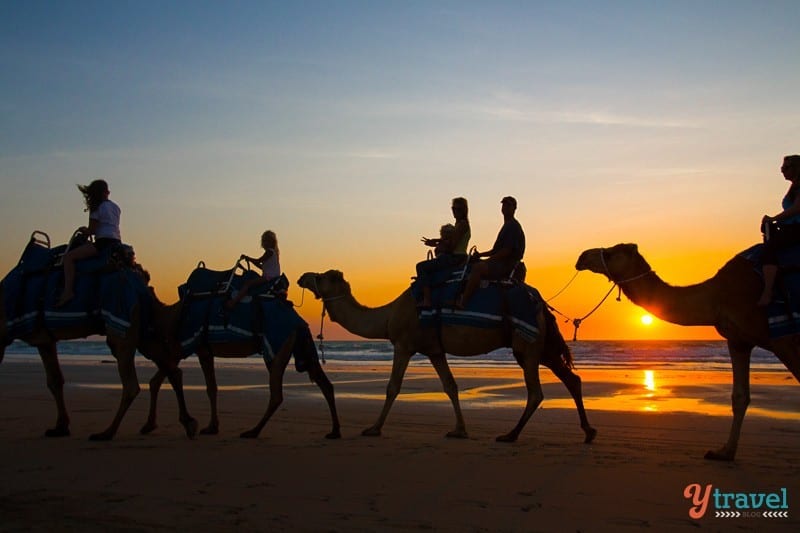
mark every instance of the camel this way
{"type": "Point", "coordinates": [168, 318]}
{"type": "Point", "coordinates": [727, 301]}
{"type": "Point", "coordinates": [123, 348]}
{"type": "Point", "coordinates": [397, 321]}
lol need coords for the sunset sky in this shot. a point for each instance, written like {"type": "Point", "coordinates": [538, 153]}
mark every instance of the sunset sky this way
{"type": "Point", "coordinates": [347, 127]}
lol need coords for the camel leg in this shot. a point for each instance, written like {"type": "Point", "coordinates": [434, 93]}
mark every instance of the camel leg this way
{"type": "Point", "coordinates": [318, 376]}
{"type": "Point", "coordinates": [572, 381]}
{"type": "Point", "coordinates": [439, 362]}
{"type": "Point", "coordinates": [530, 369]}
{"type": "Point", "coordinates": [55, 382]}
{"type": "Point", "coordinates": [740, 399]}
{"type": "Point", "coordinates": [207, 364]}
{"type": "Point", "coordinates": [130, 388]}
{"type": "Point", "coordinates": [399, 366]}
{"type": "Point", "coordinates": [175, 376]}
{"type": "Point", "coordinates": [155, 385]}
{"type": "Point", "coordinates": [276, 371]}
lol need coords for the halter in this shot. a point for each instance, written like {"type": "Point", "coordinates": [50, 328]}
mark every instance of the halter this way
{"type": "Point", "coordinates": [321, 337]}
{"type": "Point", "coordinates": [624, 281]}
{"type": "Point", "coordinates": [576, 322]}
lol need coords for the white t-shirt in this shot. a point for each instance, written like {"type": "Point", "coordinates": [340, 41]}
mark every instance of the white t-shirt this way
{"type": "Point", "coordinates": [107, 217]}
{"type": "Point", "coordinates": [271, 267]}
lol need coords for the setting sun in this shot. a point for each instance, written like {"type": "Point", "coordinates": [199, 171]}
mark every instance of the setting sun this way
{"type": "Point", "coordinates": [647, 320]}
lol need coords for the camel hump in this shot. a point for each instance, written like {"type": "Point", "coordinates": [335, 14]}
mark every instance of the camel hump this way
{"type": "Point", "coordinates": [504, 304]}
{"type": "Point", "coordinates": [783, 310]}
{"type": "Point", "coordinates": [101, 302]}
{"type": "Point", "coordinates": [205, 281]}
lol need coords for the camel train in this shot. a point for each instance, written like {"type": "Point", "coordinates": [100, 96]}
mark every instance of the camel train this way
{"type": "Point", "coordinates": [727, 301]}
{"type": "Point", "coordinates": [148, 326]}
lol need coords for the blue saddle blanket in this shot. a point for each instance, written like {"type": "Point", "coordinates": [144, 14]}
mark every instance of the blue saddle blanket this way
{"type": "Point", "coordinates": [783, 313]}
{"type": "Point", "coordinates": [265, 315]}
{"type": "Point", "coordinates": [513, 303]}
{"type": "Point", "coordinates": [105, 294]}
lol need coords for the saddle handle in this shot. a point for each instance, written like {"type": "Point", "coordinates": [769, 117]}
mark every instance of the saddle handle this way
{"type": "Point", "coordinates": [78, 238]}
{"type": "Point", "coordinates": [226, 285]}
{"type": "Point", "coordinates": [44, 240]}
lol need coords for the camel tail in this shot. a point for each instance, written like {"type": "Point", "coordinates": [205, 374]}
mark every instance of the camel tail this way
{"type": "Point", "coordinates": [555, 345]}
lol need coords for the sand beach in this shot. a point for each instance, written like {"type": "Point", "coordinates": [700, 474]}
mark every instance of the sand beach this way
{"type": "Point", "coordinates": [649, 448]}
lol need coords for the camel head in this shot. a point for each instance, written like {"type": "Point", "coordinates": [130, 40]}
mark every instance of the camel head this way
{"type": "Point", "coordinates": [618, 263]}
{"type": "Point", "coordinates": [330, 284]}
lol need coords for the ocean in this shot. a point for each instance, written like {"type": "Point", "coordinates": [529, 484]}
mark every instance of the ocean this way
{"type": "Point", "coordinates": [658, 354]}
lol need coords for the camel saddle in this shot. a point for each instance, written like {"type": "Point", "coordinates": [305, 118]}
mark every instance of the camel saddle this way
{"type": "Point", "coordinates": [783, 313]}
{"type": "Point", "coordinates": [498, 303]}
{"type": "Point", "coordinates": [265, 315]}
{"type": "Point", "coordinates": [107, 287]}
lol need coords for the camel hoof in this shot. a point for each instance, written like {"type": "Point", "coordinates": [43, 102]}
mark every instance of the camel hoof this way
{"type": "Point", "coordinates": [591, 433]}
{"type": "Point", "coordinates": [335, 434]}
{"type": "Point", "coordinates": [210, 430]}
{"type": "Point", "coordinates": [148, 428]}
{"type": "Point", "coordinates": [371, 432]}
{"type": "Point", "coordinates": [191, 427]}
{"type": "Point", "coordinates": [457, 434]}
{"type": "Point", "coordinates": [57, 432]}
{"type": "Point", "coordinates": [251, 434]}
{"type": "Point", "coordinates": [105, 435]}
{"type": "Point", "coordinates": [508, 437]}
{"type": "Point", "coordinates": [721, 455]}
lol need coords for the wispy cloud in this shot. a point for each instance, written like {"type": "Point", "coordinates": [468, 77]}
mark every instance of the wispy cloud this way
{"type": "Point", "coordinates": [589, 117]}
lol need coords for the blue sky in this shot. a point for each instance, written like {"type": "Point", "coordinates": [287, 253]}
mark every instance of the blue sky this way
{"type": "Point", "coordinates": [348, 126]}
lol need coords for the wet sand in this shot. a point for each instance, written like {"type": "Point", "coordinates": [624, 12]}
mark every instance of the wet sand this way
{"type": "Point", "coordinates": [652, 437]}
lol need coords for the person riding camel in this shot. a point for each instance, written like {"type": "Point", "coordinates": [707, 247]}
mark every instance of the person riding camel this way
{"type": "Point", "coordinates": [507, 252]}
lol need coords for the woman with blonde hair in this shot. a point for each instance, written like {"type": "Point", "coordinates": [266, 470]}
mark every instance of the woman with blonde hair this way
{"type": "Point", "coordinates": [269, 263]}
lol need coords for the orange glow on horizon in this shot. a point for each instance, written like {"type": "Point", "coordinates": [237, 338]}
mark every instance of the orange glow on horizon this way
{"type": "Point", "coordinates": [376, 285]}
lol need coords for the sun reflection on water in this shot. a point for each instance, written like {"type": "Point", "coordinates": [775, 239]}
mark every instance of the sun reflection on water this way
{"type": "Point", "coordinates": [650, 380]}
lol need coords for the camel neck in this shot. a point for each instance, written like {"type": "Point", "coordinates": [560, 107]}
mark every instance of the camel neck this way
{"type": "Point", "coordinates": [687, 306]}
{"type": "Point", "coordinates": [367, 322]}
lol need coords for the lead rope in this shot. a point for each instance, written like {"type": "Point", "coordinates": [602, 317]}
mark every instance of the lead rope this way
{"type": "Point", "coordinates": [321, 337]}
{"type": "Point", "coordinates": [576, 322]}
{"type": "Point", "coordinates": [556, 295]}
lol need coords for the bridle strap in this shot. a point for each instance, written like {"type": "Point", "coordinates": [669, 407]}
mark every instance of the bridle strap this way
{"type": "Point", "coordinates": [621, 282]}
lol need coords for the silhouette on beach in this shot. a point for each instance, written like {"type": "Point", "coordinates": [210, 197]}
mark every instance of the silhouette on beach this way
{"type": "Point", "coordinates": [727, 301]}
{"type": "Point", "coordinates": [299, 343]}
{"type": "Point", "coordinates": [781, 231]}
{"type": "Point", "coordinates": [123, 346]}
{"type": "Point", "coordinates": [398, 322]}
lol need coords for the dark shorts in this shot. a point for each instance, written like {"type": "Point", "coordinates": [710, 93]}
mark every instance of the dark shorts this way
{"type": "Point", "coordinates": [784, 236]}
{"type": "Point", "coordinates": [500, 268]}
{"type": "Point", "coordinates": [102, 244]}
{"type": "Point", "coordinates": [426, 269]}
